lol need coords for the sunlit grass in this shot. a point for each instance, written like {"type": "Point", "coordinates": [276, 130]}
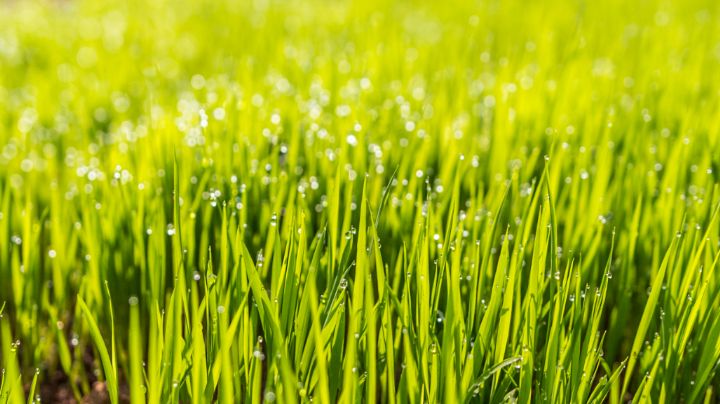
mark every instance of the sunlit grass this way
{"type": "Point", "coordinates": [360, 202]}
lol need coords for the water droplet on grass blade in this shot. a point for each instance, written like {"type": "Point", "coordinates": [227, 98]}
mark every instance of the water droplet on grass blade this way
{"type": "Point", "coordinates": [259, 355]}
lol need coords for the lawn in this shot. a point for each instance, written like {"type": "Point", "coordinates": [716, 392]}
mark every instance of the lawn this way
{"type": "Point", "coordinates": [358, 202]}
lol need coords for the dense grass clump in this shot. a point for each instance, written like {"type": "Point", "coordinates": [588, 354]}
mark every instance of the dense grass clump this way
{"type": "Point", "coordinates": [455, 201]}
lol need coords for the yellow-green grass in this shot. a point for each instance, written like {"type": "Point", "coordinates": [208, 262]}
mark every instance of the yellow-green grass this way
{"type": "Point", "coordinates": [410, 201]}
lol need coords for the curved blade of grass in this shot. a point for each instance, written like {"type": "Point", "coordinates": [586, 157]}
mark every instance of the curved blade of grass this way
{"type": "Point", "coordinates": [105, 359]}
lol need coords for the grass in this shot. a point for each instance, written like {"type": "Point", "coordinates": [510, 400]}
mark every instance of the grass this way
{"type": "Point", "coordinates": [357, 201]}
